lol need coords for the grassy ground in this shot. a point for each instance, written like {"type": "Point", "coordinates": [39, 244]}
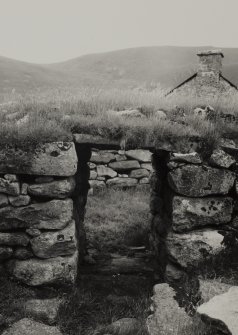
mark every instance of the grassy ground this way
{"type": "Point", "coordinates": [31, 119]}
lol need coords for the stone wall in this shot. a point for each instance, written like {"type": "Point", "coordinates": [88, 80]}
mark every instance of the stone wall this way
{"type": "Point", "coordinates": [119, 168]}
{"type": "Point", "coordinates": [193, 206]}
{"type": "Point", "coordinates": [38, 221]}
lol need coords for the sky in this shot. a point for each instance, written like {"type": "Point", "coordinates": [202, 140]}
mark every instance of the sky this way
{"type": "Point", "coordinates": [47, 31]}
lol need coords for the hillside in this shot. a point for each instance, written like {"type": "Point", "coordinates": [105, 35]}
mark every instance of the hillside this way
{"type": "Point", "coordinates": [129, 68]}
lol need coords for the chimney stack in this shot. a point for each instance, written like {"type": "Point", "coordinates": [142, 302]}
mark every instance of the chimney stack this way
{"type": "Point", "coordinates": [210, 63]}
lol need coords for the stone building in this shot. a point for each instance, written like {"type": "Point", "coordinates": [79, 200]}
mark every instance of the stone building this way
{"type": "Point", "coordinates": [208, 80]}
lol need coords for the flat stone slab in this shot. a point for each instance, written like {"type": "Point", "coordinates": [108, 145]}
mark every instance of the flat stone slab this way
{"type": "Point", "coordinates": [143, 156]}
{"type": "Point", "coordinates": [189, 213]}
{"type": "Point", "coordinates": [57, 189]}
{"type": "Point", "coordinates": [30, 327]}
{"type": "Point", "coordinates": [51, 159]}
{"type": "Point", "coordinates": [209, 288]}
{"type": "Point", "coordinates": [168, 317]}
{"type": "Point", "coordinates": [221, 311]}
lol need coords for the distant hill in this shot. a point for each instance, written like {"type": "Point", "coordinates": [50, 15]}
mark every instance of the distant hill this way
{"type": "Point", "coordinates": [129, 68]}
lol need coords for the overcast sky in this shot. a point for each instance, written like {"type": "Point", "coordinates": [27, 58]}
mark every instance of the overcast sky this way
{"type": "Point", "coordinates": [45, 31]}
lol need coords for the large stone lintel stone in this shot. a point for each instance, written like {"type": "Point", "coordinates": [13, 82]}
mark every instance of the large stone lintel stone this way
{"type": "Point", "coordinates": [35, 272]}
{"type": "Point", "coordinates": [58, 189]}
{"type": "Point", "coordinates": [189, 213]}
{"type": "Point", "coordinates": [102, 157]}
{"type": "Point", "coordinates": [54, 214]}
{"type": "Point", "coordinates": [191, 249]}
{"type": "Point", "coordinates": [199, 181]}
{"type": "Point", "coordinates": [52, 159]}
{"type": "Point", "coordinates": [56, 243]}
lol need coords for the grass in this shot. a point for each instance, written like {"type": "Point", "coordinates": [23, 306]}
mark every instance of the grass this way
{"type": "Point", "coordinates": [51, 116]}
{"type": "Point", "coordinates": [116, 219]}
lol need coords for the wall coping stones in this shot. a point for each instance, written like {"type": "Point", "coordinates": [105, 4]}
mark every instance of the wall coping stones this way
{"type": "Point", "coordinates": [51, 159]}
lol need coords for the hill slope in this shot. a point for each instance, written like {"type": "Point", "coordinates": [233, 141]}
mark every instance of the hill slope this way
{"type": "Point", "coordinates": [166, 66]}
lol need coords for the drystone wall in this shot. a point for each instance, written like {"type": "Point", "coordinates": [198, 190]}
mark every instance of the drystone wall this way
{"type": "Point", "coordinates": [40, 212]}
{"type": "Point", "coordinates": [119, 168]}
{"type": "Point", "coordinates": [194, 208]}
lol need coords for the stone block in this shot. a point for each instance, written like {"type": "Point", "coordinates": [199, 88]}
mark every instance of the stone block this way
{"type": "Point", "coordinates": [124, 165]}
{"type": "Point", "coordinates": [102, 157]}
{"type": "Point", "coordinates": [121, 182]}
{"type": "Point", "coordinates": [221, 159]}
{"type": "Point", "coordinates": [139, 173]}
{"type": "Point", "coordinates": [58, 189]}
{"type": "Point", "coordinates": [97, 184]}
{"type": "Point", "coordinates": [199, 181]}
{"type": "Point", "coordinates": [50, 159]}
{"type": "Point", "coordinates": [144, 180]}
{"type": "Point", "coordinates": [93, 175]}
{"type": "Point", "coordinates": [55, 243]}
{"type": "Point", "coordinates": [147, 166]}
{"type": "Point", "coordinates": [13, 239]}
{"type": "Point", "coordinates": [35, 272]}
{"type": "Point", "coordinates": [54, 214]}
{"type": "Point", "coordinates": [22, 253]}
{"type": "Point", "coordinates": [19, 201]}
{"type": "Point", "coordinates": [3, 200]}
{"type": "Point", "coordinates": [9, 187]}
{"type": "Point", "coordinates": [190, 213]}
{"type": "Point", "coordinates": [104, 171]}
{"type": "Point", "coordinates": [143, 156]}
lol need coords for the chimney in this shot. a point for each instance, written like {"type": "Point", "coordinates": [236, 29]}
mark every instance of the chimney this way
{"type": "Point", "coordinates": [210, 63]}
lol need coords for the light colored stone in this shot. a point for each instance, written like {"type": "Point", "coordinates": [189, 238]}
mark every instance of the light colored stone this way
{"type": "Point", "coordinates": [93, 175]}
{"type": "Point", "coordinates": [11, 177]}
{"type": "Point", "coordinates": [96, 184]}
{"type": "Point", "coordinates": [147, 166]}
{"type": "Point", "coordinates": [199, 181]}
{"type": "Point", "coordinates": [30, 327]}
{"type": "Point", "coordinates": [56, 243]}
{"type": "Point", "coordinates": [101, 178]}
{"type": "Point", "coordinates": [3, 200]}
{"type": "Point", "coordinates": [121, 182]}
{"type": "Point", "coordinates": [33, 232]}
{"type": "Point", "coordinates": [221, 159]}
{"type": "Point", "coordinates": [35, 272]}
{"type": "Point", "coordinates": [104, 171]}
{"type": "Point", "coordinates": [160, 115]}
{"type": "Point", "coordinates": [143, 156]}
{"type": "Point", "coordinates": [45, 310]}
{"type": "Point", "coordinates": [101, 157]}
{"type": "Point", "coordinates": [121, 157]}
{"type": "Point", "coordinates": [124, 165]}
{"type": "Point", "coordinates": [24, 188]}
{"type": "Point", "coordinates": [50, 159]}
{"type": "Point", "coordinates": [139, 173]}
{"type": "Point", "coordinates": [92, 165]}
{"type": "Point", "coordinates": [5, 253]}
{"type": "Point", "coordinates": [54, 214]}
{"type": "Point", "coordinates": [20, 200]}
{"type": "Point", "coordinates": [189, 213]}
{"type": "Point", "coordinates": [168, 317]}
{"type": "Point", "coordinates": [57, 189]}
{"type": "Point", "coordinates": [192, 157]}
{"type": "Point", "coordinates": [12, 239]}
{"type": "Point", "coordinates": [9, 187]}
{"type": "Point", "coordinates": [209, 288]}
{"type": "Point", "coordinates": [221, 311]}
{"type": "Point", "coordinates": [144, 181]}
{"type": "Point", "coordinates": [191, 249]}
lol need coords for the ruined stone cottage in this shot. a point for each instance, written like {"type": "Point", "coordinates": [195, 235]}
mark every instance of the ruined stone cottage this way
{"type": "Point", "coordinates": [208, 80]}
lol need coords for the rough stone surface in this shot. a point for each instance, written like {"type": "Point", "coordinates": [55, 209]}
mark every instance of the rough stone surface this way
{"type": "Point", "coordinates": [143, 156]}
{"type": "Point", "coordinates": [45, 310]}
{"type": "Point", "coordinates": [221, 159]}
{"type": "Point", "coordinates": [54, 214]}
{"type": "Point", "coordinates": [96, 184]}
{"type": "Point", "coordinates": [30, 327]}
{"type": "Point", "coordinates": [56, 243]}
{"type": "Point", "coordinates": [20, 200]}
{"type": "Point", "coordinates": [92, 165]}
{"type": "Point", "coordinates": [192, 158]}
{"type": "Point", "coordinates": [11, 177]}
{"type": "Point", "coordinates": [35, 272]}
{"type": "Point", "coordinates": [147, 166]}
{"type": "Point", "coordinates": [104, 171]}
{"type": "Point", "coordinates": [12, 239]}
{"type": "Point", "coordinates": [211, 288]}
{"type": "Point", "coordinates": [167, 316]}
{"type": "Point", "coordinates": [3, 200]}
{"type": "Point", "coordinates": [24, 188]}
{"type": "Point", "coordinates": [50, 159]}
{"type": "Point", "coordinates": [199, 181]}
{"type": "Point", "coordinates": [191, 249]}
{"type": "Point", "coordinates": [144, 180]}
{"type": "Point", "coordinates": [93, 175]}
{"type": "Point", "coordinates": [139, 173]}
{"type": "Point", "coordinates": [33, 232]}
{"type": "Point", "coordinates": [9, 187]}
{"type": "Point", "coordinates": [189, 213]}
{"type": "Point", "coordinates": [124, 165]}
{"type": "Point", "coordinates": [22, 253]}
{"type": "Point", "coordinates": [122, 182]}
{"type": "Point", "coordinates": [221, 311]}
{"type": "Point", "coordinates": [5, 253]}
{"type": "Point", "coordinates": [58, 189]}
{"type": "Point", "coordinates": [102, 157]}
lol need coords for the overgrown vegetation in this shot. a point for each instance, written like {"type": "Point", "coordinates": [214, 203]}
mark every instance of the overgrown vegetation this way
{"type": "Point", "coordinates": [32, 119]}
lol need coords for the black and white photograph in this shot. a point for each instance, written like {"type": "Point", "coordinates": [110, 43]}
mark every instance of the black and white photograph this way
{"type": "Point", "coordinates": [118, 167]}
